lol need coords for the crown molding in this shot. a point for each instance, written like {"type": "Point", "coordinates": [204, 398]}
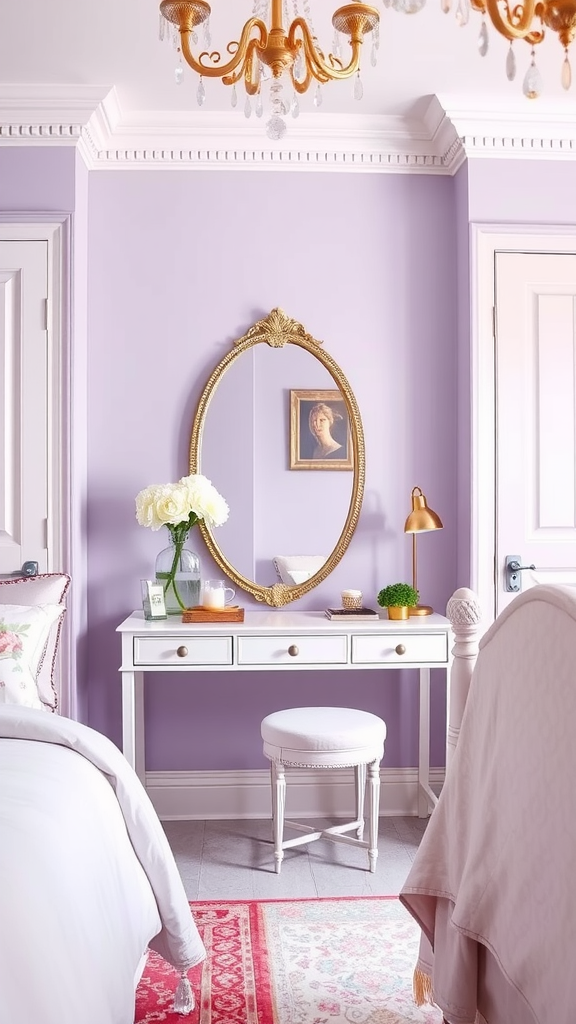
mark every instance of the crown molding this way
{"type": "Point", "coordinates": [91, 119]}
{"type": "Point", "coordinates": [438, 140]}
{"type": "Point", "coordinates": [525, 129]}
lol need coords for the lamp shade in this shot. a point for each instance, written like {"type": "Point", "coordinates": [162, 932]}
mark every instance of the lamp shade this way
{"type": "Point", "coordinates": [421, 519]}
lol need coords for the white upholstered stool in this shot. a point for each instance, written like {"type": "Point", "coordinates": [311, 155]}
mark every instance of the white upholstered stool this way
{"type": "Point", "coordinates": [325, 738]}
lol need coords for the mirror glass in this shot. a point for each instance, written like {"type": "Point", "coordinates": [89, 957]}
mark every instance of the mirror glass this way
{"type": "Point", "coordinates": [246, 454]}
{"type": "Point", "coordinates": [278, 433]}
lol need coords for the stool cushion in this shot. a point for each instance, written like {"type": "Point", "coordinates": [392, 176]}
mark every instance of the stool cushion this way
{"type": "Point", "coordinates": [323, 737]}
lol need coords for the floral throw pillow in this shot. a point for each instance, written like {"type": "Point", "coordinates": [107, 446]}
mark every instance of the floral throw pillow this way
{"type": "Point", "coordinates": [24, 633]}
{"type": "Point", "coordinates": [47, 588]}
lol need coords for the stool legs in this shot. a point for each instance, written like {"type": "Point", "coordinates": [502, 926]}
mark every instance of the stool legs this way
{"type": "Point", "coordinates": [362, 773]}
{"type": "Point", "coordinates": [374, 803]}
{"type": "Point", "coordinates": [278, 779]}
{"type": "Point", "coordinates": [360, 784]}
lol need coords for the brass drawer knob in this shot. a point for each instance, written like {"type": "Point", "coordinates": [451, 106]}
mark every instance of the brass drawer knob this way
{"type": "Point", "coordinates": [293, 651]}
{"type": "Point", "coordinates": [182, 652]}
{"type": "Point", "coordinates": [400, 649]}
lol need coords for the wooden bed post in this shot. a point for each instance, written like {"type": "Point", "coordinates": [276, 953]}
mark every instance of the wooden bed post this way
{"type": "Point", "coordinates": [463, 610]}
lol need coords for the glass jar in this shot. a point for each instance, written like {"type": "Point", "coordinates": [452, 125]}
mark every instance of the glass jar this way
{"type": "Point", "coordinates": [178, 569]}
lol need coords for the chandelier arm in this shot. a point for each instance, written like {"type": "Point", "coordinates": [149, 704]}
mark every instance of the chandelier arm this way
{"type": "Point", "coordinates": [524, 19]}
{"type": "Point", "coordinates": [251, 82]}
{"type": "Point", "coordinates": [300, 86]}
{"type": "Point", "coordinates": [213, 70]}
{"type": "Point", "coordinates": [321, 71]}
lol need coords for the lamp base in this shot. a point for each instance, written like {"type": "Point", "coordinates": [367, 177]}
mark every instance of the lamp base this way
{"type": "Point", "coordinates": [420, 609]}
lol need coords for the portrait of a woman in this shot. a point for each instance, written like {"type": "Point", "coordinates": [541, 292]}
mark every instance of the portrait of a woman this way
{"type": "Point", "coordinates": [320, 421]}
{"type": "Point", "coordinates": [319, 431]}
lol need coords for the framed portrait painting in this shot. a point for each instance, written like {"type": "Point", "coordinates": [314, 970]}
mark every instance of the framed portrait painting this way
{"type": "Point", "coordinates": [319, 431]}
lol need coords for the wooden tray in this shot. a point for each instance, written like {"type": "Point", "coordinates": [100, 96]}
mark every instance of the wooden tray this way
{"type": "Point", "coordinates": [232, 613]}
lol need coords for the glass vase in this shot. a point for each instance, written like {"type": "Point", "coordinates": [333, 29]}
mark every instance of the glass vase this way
{"type": "Point", "coordinates": [178, 570]}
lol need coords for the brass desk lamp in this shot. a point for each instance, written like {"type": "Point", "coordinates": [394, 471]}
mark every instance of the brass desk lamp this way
{"type": "Point", "coordinates": [421, 520]}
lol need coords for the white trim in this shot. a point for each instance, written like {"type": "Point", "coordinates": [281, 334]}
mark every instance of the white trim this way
{"type": "Point", "coordinates": [485, 241]}
{"type": "Point", "coordinates": [54, 229]}
{"type": "Point", "coordinates": [108, 138]}
{"type": "Point", "coordinates": [515, 130]}
{"type": "Point", "coordinates": [436, 142]}
{"type": "Point", "coordinates": [246, 794]}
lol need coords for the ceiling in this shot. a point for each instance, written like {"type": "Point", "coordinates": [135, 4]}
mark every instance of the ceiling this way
{"type": "Point", "coordinates": [68, 45]}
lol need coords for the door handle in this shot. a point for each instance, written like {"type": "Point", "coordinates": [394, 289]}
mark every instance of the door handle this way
{"type": "Point", "coordinates": [513, 583]}
{"type": "Point", "coordinates": [28, 569]}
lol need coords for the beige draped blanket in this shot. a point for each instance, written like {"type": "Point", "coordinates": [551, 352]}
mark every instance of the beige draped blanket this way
{"type": "Point", "coordinates": [493, 885]}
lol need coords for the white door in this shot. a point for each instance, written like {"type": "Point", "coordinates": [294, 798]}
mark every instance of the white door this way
{"type": "Point", "coordinates": [535, 410]}
{"type": "Point", "coordinates": [24, 488]}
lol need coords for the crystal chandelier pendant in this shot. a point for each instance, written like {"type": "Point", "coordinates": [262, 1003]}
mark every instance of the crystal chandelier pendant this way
{"type": "Point", "coordinates": [299, 70]}
{"type": "Point", "coordinates": [207, 33]}
{"type": "Point", "coordinates": [511, 64]}
{"type": "Point", "coordinates": [374, 55]}
{"type": "Point", "coordinates": [233, 97]}
{"type": "Point", "coordinates": [259, 106]}
{"type": "Point", "coordinates": [462, 13]}
{"type": "Point", "coordinates": [275, 128]}
{"type": "Point", "coordinates": [445, 6]}
{"type": "Point", "coordinates": [295, 106]}
{"type": "Point", "coordinates": [179, 74]}
{"type": "Point", "coordinates": [532, 85]}
{"type": "Point", "coordinates": [566, 73]}
{"type": "Point", "coordinates": [162, 27]}
{"type": "Point", "coordinates": [200, 92]}
{"type": "Point", "coordinates": [336, 47]}
{"type": "Point", "coordinates": [483, 39]}
{"type": "Point", "coordinates": [247, 107]}
{"type": "Point", "coordinates": [318, 96]}
{"type": "Point", "coordinates": [358, 87]}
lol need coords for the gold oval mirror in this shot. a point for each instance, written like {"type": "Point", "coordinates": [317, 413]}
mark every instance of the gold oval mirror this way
{"type": "Point", "coordinates": [285, 408]}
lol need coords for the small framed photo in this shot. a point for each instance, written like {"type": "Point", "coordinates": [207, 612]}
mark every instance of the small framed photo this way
{"type": "Point", "coordinates": [320, 436]}
{"type": "Point", "coordinates": [153, 603]}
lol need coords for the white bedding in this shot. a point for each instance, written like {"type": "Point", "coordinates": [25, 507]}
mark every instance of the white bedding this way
{"type": "Point", "coordinates": [88, 880]}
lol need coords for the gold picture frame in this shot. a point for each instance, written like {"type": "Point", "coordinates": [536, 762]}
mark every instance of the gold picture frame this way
{"type": "Point", "coordinates": [320, 435]}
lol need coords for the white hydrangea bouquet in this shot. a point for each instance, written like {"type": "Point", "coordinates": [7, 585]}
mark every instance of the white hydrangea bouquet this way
{"type": "Point", "coordinates": [179, 507]}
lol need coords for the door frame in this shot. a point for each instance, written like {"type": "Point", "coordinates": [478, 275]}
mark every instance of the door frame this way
{"type": "Point", "coordinates": [485, 241]}
{"type": "Point", "coordinates": [54, 229]}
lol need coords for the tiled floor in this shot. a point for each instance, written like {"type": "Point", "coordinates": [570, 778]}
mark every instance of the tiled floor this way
{"type": "Point", "coordinates": [234, 860]}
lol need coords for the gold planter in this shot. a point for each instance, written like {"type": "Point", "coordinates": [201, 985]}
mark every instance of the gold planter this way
{"type": "Point", "coordinates": [397, 611]}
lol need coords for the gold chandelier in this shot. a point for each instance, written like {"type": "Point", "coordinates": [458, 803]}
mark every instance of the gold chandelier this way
{"type": "Point", "coordinates": [270, 53]}
{"type": "Point", "coordinates": [528, 21]}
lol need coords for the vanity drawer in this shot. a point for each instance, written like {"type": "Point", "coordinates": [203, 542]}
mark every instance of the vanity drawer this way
{"type": "Point", "coordinates": [387, 648]}
{"type": "Point", "coordinates": [306, 650]}
{"type": "Point", "coordinates": [200, 650]}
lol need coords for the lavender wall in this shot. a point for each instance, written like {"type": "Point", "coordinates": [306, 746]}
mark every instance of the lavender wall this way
{"type": "Point", "coordinates": [181, 264]}
{"type": "Point", "coordinates": [522, 192]}
{"type": "Point", "coordinates": [167, 270]}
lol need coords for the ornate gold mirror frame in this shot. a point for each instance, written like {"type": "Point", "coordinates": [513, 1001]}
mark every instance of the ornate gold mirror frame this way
{"type": "Point", "coordinates": [278, 330]}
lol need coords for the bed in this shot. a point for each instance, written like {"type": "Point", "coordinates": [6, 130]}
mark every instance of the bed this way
{"type": "Point", "coordinates": [89, 882]}
{"type": "Point", "coordinates": [493, 882]}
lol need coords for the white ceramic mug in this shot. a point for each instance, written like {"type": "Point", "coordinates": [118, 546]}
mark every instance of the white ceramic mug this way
{"type": "Point", "coordinates": [215, 594]}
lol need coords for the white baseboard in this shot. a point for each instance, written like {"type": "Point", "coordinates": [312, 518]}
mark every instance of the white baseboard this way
{"type": "Point", "coordinates": [309, 794]}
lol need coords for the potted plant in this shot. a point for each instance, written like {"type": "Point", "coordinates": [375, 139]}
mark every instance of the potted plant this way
{"type": "Point", "coordinates": [398, 598]}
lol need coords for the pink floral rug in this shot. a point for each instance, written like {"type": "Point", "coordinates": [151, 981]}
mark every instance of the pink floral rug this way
{"type": "Point", "coordinates": [313, 961]}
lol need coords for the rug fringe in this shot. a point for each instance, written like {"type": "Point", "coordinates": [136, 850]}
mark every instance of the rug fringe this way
{"type": "Point", "coordinates": [422, 987]}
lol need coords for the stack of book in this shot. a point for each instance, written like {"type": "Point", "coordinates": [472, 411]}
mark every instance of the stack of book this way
{"type": "Point", "coordinates": [356, 614]}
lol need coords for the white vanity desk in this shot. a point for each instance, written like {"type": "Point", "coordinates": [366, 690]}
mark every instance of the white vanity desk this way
{"type": "Point", "coordinates": [280, 641]}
